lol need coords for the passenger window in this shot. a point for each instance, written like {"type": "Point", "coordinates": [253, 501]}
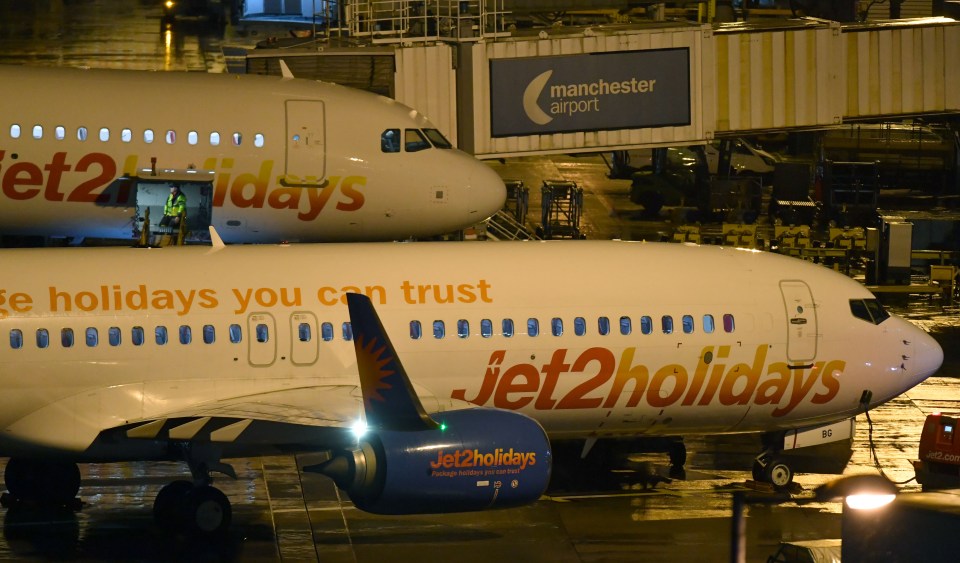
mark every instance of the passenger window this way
{"type": "Point", "coordinates": [43, 338]}
{"type": "Point", "coordinates": [625, 326]}
{"type": "Point", "coordinates": [414, 140]}
{"type": "Point", "coordinates": [258, 140]}
{"type": "Point", "coordinates": [603, 326]}
{"type": "Point", "coordinates": [126, 135]}
{"type": "Point", "coordinates": [236, 334]}
{"type": "Point", "coordinates": [186, 334]}
{"type": "Point", "coordinates": [533, 327]}
{"type": "Point", "coordinates": [579, 326]}
{"type": "Point", "coordinates": [37, 131]}
{"type": "Point", "coordinates": [326, 331]}
{"type": "Point", "coordinates": [60, 133]}
{"type": "Point", "coordinates": [16, 339]}
{"type": "Point", "coordinates": [171, 136]}
{"type": "Point", "coordinates": [93, 337]}
{"type": "Point", "coordinates": [507, 326]}
{"type": "Point", "coordinates": [303, 331]}
{"type": "Point", "coordinates": [209, 334]}
{"type": "Point", "coordinates": [113, 335]}
{"type": "Point", "coordinates": [160, 335]}
{"type": "Point", "coordinates": [148, 136]}
{"type": "Point", "coordinates": [137, 336]}
{"type": "Point", "coordinates": [728, 323]}
{"type": "Point", "coordinates": [646, 325]}
{"type": "Point", "coordinates": [66, 337]}
{"type": "Point", "coordinates": [416, 330]}
{"type": "Point", "coordinates": [486, 328]}
{"type": "Point", "coordinates": [687, 324]}
{"type": "Point", "coordinates": [192, 137]}
{"type": "Point", "coordinates": [215, 139]}
{"type": "Point", "coordinates": [347, 332]}
{"type": "Point", "coordinates": [708, 325]}
{"type": "Point", "coordinates": [556, 326]}
{"type": "Point", "coordinates": [390, 140]}
{"type": "Point", "coordinates": [463, 328]}
{"type": "Point", "coordinates": [15, 131]}
{"type": "Point", "coordinates": [666, 324]}
{"type": "Point", "coordinates": [81, 133]}
{"type": "Point", "coordinates": [437, 139]}
{"type": "Point", "coordinates": [439, 330]}
{"type": "Point", "coordinates": [262, 332]}
{"type": "Point", "coordinates": [104, 134]}
{"type": "Point", "coordinates": [237, 139]}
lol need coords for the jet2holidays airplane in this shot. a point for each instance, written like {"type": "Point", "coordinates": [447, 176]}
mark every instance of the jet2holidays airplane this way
{"type": "Point", "coordinates": [86, 153]}
{"type": "Point", "coordinates": [200, 354]}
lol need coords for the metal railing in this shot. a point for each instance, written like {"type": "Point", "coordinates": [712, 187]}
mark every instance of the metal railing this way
{"type": "Point", "coordinates": [408, 21]}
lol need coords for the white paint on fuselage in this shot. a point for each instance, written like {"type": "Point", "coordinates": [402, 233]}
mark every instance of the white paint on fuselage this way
{"type": "Point", "coordinates": [59, 187]}
{"type": "Point", "coordinates": [63, 397]}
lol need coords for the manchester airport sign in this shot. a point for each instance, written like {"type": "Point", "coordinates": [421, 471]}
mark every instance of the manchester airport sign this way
{"type": "Point", "coordinates": [591, 92]}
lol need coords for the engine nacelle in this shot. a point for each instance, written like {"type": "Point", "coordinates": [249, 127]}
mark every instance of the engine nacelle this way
{"type": "Point", "coordinates": [477, 460]}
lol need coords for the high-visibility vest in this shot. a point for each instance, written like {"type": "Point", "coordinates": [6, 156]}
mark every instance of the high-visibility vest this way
{"type": "Point", "coordinates": [175, 205]}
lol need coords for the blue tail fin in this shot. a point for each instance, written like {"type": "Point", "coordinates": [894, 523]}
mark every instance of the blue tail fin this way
{"type": "Point", "coordinates": [388, 397]}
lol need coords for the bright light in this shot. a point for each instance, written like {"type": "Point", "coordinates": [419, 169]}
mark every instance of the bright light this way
{"type": "Point", "coordinates": [169, 3]}
{"type": "Point", "coordinates": [359, 428]}
{"type": "Point", "coordinates": [868, 501]}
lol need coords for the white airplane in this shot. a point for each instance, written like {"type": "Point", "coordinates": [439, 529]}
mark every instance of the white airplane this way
{"type": "Point", "coordinates": [200, 354]}
{"type": "Point", "coordinates": [85, 153]}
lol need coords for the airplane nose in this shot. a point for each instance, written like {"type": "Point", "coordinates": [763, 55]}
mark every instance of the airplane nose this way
{"type": "Point", "coordinates": [928, 355]}
{"type": "Point", "coordinates": [488, 193]}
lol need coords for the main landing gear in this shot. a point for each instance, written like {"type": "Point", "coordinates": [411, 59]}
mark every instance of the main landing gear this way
{"type": "Point", "coordinates": [41, 483]}
{"type": "Point", "coordinates": [195, 508]}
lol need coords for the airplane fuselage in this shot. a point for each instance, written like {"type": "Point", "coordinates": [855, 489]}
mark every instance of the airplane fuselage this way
{"type": "Point", "coordinates": [272, 159]}
{"type": "Point", "coordinates": [592, 339]}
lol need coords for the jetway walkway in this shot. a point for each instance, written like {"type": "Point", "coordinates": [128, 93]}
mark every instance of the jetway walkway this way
{"type": "Point", "coordinates": [743, 78]}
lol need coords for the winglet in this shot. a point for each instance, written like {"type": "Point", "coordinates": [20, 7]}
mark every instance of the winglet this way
{"type": "Point", "coordinates": [284, 69]}
{"type": "Point", "coordinates": [388, 396]}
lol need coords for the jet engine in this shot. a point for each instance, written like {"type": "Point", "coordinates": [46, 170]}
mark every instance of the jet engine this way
{"type": "Point", "coordinates": [475, 459]}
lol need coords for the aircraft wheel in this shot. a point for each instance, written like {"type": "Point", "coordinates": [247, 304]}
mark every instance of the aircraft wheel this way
{"type": "Point", "coordinates": [757, 471]}
{"type": "Point", "coordinates": [778, 473]}
{"type": "Point", "coordinates": [47, 482]}
{"type": "Point", "coordinates": [207, 511]}
{"type": "Point", "coordinates": [166, 507]}
{"type": "Point", "coordinates": [678, 454]}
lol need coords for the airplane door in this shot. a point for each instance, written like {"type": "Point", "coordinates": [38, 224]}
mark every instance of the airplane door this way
{"type": "Point", "coordinates": [262, 336]}
{"type": "Point", "coordinates": [304, 343]}
{"type": "Point", "coordinates": [306, 143]}
{"type": "Point", "coordinates": [801, 321]}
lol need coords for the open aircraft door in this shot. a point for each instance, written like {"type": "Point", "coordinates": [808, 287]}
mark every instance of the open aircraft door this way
{"type": "Point", "coordinates": [262, 339]}
{"type": "Point", "coordinates": [801, 322]}
{"type": "Point", "coordinates": [306, 144]}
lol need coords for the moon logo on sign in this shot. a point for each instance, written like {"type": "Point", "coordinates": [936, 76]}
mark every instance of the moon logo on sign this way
{"type": "Point", "coordinates": [530, 96]}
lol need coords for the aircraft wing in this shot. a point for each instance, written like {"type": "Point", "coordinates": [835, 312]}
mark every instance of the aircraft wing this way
{"type": "Point", "coordinates": [300, 419]}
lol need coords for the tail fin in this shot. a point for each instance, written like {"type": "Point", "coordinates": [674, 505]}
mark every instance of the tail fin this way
{"type": "Point", "coordinates": [388, 397]}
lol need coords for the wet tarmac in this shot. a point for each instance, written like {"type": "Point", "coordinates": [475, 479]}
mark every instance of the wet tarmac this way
{"type": "Point", "coordinates": [281, 514]}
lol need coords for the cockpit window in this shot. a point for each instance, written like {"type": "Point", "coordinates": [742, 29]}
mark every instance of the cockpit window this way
{"type": "Point", "coordinates": [869, 310]}
{"type": "Point", "coordinates": [877, 311]}
{"type": "Point", "coordinates": [414, 140]}
{"type": "Point", "coordinates": [437, 138]}
{"type": "Point", "coordinates": [390, 140]}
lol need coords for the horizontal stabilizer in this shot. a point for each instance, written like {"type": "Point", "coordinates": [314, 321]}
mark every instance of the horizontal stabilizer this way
{"type": "Point", "coordinates": [388, 397]}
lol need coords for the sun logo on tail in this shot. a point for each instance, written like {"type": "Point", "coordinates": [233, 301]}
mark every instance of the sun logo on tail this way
{"type": "Point", "coordinates": [371, 363]}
